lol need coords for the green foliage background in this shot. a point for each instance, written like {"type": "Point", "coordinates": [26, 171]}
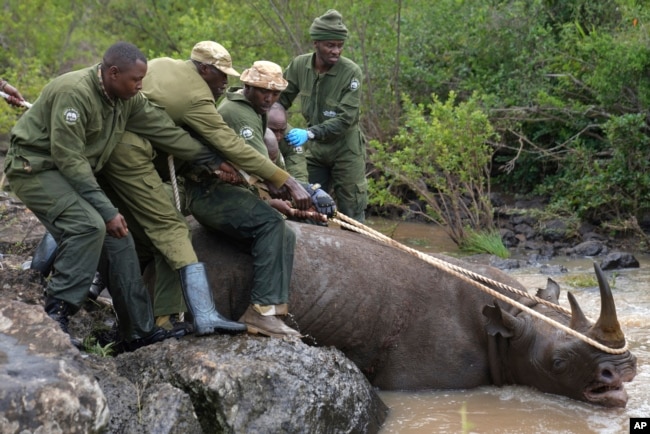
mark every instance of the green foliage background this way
{"type": "Point", "coordinates": [565, 84]}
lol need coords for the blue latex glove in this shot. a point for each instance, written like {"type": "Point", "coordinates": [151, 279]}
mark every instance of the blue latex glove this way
{"type": "Point", "coordinates": [297, 137]}
{"type": "Point", "coordinates": [322, 201]}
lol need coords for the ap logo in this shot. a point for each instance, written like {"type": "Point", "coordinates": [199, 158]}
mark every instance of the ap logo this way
{"type": "Point", "coordinates": [640, 425]}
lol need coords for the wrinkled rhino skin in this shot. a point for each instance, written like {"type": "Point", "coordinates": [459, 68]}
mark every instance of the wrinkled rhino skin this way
{"type": "Point", "coordinates": [409, 325]}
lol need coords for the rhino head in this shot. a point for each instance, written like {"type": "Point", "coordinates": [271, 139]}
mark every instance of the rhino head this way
{"type": "Point", "coordinates": [526, 350]}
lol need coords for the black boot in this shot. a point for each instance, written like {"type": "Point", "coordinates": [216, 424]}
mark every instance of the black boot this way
{"type": "Point", "coordinates": [44, 255]}
{"type": "Point", "coordinates": [198, 296]}
{"type": "Point", "coordinates": [157, 335]}
{"type": "Point", "coordinates": [61, 311]}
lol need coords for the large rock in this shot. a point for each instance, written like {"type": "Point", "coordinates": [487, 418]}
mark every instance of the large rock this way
{"type": "Point", "coordinates": [45, 385]}
{"type": "Point", "coordinates": [618, 260]}
{"type": "Point", "coordinates": [249, 384]}
{"type": "Point", "coordinates": [193, 385]}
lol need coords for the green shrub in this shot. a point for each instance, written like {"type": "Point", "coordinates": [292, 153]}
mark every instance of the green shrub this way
{"type": "Point", "coordinates": [605, 185]}
{"type": "Point", "coordinates": [442, 155]}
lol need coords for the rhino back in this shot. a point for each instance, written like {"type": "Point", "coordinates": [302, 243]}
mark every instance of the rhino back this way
{"type": "Point", "coordinates": [404, 322]}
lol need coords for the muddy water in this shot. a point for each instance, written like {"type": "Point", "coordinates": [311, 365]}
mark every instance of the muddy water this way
{"type": "Point", "coordinates": [518, 409]}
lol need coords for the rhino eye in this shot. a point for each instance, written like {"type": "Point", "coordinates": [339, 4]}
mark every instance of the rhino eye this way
{"type": "Point", "coordinates": [559, 365]}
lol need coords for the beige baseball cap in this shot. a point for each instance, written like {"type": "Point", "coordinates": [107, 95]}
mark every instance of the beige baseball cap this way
{"type": "Point", "coordinates": [211, 53]}
{"type": "Point", "coordinates": [264, 74]}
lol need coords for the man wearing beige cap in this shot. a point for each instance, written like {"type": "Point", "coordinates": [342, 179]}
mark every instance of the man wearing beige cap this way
{"type": "Point", "coordinates": [187, 89]}
{"type": "Point", "coordinates": [244, 110]}
{"type": "Point", "coordinates": [330, 88]}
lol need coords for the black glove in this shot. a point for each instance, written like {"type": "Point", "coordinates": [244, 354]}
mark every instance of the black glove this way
{"type": "Point", "coordinates": [322, 201]}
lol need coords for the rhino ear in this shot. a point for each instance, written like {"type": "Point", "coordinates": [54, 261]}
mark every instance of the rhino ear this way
{"type": "Point", "coordinates": [500, 322]}
{"type": "Point", "coordinates": [551, 293]}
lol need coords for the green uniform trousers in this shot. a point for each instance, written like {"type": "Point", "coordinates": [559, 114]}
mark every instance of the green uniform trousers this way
{"type": "Point", "coordinates": [340, 168]}
{"type": "Point", "coordinates": [160, 230]}
{"type": "Point", "coordinates": [80, 233]}
{"type": "Point", "coordinates": [238, 213]}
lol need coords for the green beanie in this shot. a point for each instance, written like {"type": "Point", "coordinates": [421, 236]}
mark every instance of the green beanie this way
{"type": "Point", "coordinates": [328, 27]}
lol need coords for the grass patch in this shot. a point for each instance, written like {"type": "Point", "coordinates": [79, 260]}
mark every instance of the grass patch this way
{"type": "Point", "coordinates": [582, 281]}
{"type": "Point", "coordinates": [93, 347]}
{"type": "Point", "coordinates": [588, 281]}
{"type": "Point", "coordinates": [484, 242]}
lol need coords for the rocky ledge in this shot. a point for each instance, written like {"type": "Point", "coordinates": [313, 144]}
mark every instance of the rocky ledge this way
{"type": "Point", "coordinates": [211, 384]}
{"type": "Point", "coordinates": [531, 234]}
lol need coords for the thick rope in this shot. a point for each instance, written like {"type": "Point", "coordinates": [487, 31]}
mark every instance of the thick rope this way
{"type": "Point", "coordinates": [177, 200]}
{"type": "Point", "coordinates": [172, 176]}
{"type": "Point", "coordinates": [475, 280]}
{"type": "Point", "coordinates": [446, 265]}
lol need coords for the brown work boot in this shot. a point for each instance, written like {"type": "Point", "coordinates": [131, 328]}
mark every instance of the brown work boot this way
{"type": "Point", "coordinates": [174, 322]}
{"type": "Point", "coordinates": [268, 325]}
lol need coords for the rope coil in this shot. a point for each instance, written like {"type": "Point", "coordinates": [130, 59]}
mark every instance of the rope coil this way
{"type": "Point", "coordinates": [477, 280]}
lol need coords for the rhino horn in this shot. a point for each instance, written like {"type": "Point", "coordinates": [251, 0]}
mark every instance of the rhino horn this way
{"type": "Point", "coordinates": [579, 321]}
{"type": "Point", "coordinates": [607, 330]}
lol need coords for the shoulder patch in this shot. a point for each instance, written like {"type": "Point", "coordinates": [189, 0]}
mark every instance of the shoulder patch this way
{"type": "Point", "coordinates": [354, 84]}
{"type": "Point", "coordinates": [246, 132]}
{"type": "Point", "coordinates": [70, 115]}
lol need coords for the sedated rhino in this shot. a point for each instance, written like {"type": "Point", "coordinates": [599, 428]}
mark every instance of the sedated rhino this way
{"type": "Point", "coordinates": [409, 325]}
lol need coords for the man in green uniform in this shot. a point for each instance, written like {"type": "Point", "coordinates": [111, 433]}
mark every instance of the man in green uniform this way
{"type": "Point", "coordinates": [192, 106]}
{"type": "Point", "coordinates": [329, 86]}
{"type": "Point", "coordinates": [56, 149]}
{"type": "Point", "coordinates": [162, 234]}
{"type": "Point", "coordinates": [273, 149]}
{"type": "Point", "coordinates": [294, 160]}
{"type": "Point", "coordinates": [245, 111]}
{"type": "Point", "coordinates": [237, 212]}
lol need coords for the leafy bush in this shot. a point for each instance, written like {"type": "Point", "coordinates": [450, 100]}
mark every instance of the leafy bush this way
{"type": "Point", "coordinates": [607, 185]}
{"type": "Point", "coordinates": [442, 154]}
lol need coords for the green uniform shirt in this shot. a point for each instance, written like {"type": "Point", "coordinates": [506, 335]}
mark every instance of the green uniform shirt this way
{"type": "Point", "coordinates": [294, 161]}
{"type": "Point", "coordinates": [330, 101]}
{"type": "Point", "coordinates": [240, 115]}
{"type": "Point", "coordinates": [177, 86]}
{"type": "Point", "coordinates": [73, 127]}
{"type": "Point", "coordinates": [330, 104]}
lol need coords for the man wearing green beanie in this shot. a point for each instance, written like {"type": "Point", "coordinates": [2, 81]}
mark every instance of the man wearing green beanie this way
{"type": "Point", "coordinates": [330, 89]}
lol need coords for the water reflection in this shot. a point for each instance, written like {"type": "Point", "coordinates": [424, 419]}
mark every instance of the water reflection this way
{"type": "Point", "coordinates": [518, 409]}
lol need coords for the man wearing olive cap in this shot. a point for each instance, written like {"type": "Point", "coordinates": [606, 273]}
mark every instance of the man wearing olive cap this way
{"type": "Point", "coordinates": [188, 89]}
{"type": "Point", "coordinates": [330, 88]}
